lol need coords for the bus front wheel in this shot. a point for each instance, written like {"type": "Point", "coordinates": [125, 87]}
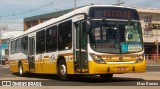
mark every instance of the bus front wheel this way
{"type": "Point", "coordinates": [62, 70]}
{"type": "Point", "coordinates": [106, 76]}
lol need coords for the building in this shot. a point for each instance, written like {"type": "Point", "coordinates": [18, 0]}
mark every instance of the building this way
{"type": "Point", "coordinates": [150, 22]}
{"type": "Point", "coordinates": [150, 18]}
{"type": "Point", "coordinates": [34, 20]}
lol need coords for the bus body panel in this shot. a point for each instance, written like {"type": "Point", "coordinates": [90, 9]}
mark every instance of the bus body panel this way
{"type": "Point", "coordinates": [95, 68]}
{"type": "Point", "coordinates": [13, 66]}
{"type": "Point", "coordinates": [70, 67]}
{"type": "Point", "coordinates": [25, 65]}
{"type": "Point", "coordinates": [46, 63]}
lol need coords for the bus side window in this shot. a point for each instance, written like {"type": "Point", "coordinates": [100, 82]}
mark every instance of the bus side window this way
{"type": "Point", "coordinates": [65, 35]}
{"type": "Point", "coordinates": [84, 35]}
{"type": "Point", "coordinates": [40, 42]}
{"type": "Point", "coordinates": [18, 45]}
{"type": "Point", "coordinates": [12, 47]}
{"type": "Point", "coordinates": [51, 39]}
{"type": "Point", "coordinates": [24, 44]}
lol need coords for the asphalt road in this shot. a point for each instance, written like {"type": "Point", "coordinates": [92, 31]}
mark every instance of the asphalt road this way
{"type": "Point", "coordinates": [128, 79]}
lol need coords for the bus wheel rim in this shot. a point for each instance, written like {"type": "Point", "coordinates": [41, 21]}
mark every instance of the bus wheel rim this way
{"type": "Point", "coordinates": [20, 69]}
{"type": "Point", "coordinates": [63, 69]}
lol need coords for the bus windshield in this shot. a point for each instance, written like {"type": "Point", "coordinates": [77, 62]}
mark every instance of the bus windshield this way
{"type": "Point", "coordinates": [115, 36]}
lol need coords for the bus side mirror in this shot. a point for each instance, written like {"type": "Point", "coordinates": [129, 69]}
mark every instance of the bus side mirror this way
{"type": "Point", "coordinates": [130, 36]}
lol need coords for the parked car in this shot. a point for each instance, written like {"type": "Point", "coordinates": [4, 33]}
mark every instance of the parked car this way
{"type": "Point", "coordinates": [5, 61]}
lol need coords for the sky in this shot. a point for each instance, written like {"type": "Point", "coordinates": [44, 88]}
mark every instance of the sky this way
{"type": "Point", "coordinates": [12, 12]}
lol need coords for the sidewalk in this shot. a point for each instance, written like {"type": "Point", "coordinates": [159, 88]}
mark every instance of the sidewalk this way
{"type": "Point", "coordinates": [4, 66]}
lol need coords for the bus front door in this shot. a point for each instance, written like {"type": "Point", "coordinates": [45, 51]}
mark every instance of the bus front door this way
{"type": "Point", "coordinates": [80, 47]}
{"type": "Point", "coordinates": [31, 56]}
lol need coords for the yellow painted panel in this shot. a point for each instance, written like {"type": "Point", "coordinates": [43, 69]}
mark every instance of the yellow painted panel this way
{"type": "Point", "coordinates": [25, 65]}
{"type": "Point", "coordinates": [49, 68]}
{"type": "Point", "coordinates": [13, 66]}
{"type": "Point", "coordinates": [43, 66]}
{"type": "Point", "coordinates": [38, 66]}
{"type": "Point", "coordinates": [70, 67]}
{"type": "Point", "coordinates": [115, 58]}
{"type": "Point", "coordinates": [95, 68]}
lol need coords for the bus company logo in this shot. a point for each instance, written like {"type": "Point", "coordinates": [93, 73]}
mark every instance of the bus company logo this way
{"type": "Point", "coordinates": [6, 83]}
{"type": "Point", "coordinates": [21, 83]}
{"type": "Point", "coordinates": [52, 58]}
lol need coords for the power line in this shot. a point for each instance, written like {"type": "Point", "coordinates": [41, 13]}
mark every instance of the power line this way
{"type": "Point", "coordinates": [31, 10]}
{"type": "Point", "coordinates": [119, 3]}
{"type": "Point", "coordinates": [14, 15]}
{"type": "Point", "coordinates": [11, 21]}
{"type": "Point", "coordinates": [35, 9]}
{"type": "Point", "coordinates": [4, 18]}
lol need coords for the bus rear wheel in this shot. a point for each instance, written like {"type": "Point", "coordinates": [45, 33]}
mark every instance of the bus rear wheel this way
{"type": "Point", "coordinates": [62, 71]}
{"type": "Point", "coordinates": [20, 70]}
{"type": "Point", "coordinates": [106, 76]}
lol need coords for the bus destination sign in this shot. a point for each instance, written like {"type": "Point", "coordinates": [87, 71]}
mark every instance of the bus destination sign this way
{"type": "Point", "coordinates": [113, 13]}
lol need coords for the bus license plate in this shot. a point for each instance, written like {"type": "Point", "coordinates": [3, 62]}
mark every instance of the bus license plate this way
{"type": "Point", "coordinates": [121, 68]}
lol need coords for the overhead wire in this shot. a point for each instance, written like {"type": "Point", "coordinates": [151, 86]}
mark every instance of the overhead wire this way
{"type": "Point", "coordinates": [35, 9]}
{"type": "Point", "coordinates": [27, 11]}
{"type": "Point", "coordinates": [6, 19]}
{"type": "Point", "coordinates": [3, 19]}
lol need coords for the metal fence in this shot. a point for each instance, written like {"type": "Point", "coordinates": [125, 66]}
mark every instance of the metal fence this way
{"type": "Point", "coordinates": [152, 59]}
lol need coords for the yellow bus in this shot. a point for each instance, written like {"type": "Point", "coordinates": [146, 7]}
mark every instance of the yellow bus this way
{"type": "Point", "coordinates": [92, 40]}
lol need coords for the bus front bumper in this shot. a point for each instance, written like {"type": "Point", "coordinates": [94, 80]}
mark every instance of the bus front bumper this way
{"type": "Point", "coordinates": [95, 68]}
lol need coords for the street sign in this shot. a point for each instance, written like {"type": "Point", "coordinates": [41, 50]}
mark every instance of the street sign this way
{"type": "Point", "coordinates": [4, 46]}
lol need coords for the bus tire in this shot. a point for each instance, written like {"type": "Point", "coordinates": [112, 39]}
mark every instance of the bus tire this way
{"type": "Point", "coordinates": [106, 76]}
{"type": "Point", "coordinates": [20, 69]}
{"type": "Point", "coordinates": [62, 70]}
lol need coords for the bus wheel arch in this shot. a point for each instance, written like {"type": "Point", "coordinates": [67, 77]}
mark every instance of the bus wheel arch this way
{"type": "Point", "coordinates": [106, 76]}
{"type": "Point", "coordinates": [20, 69]}
{"type": "Point", "coordinates": [62, 68]}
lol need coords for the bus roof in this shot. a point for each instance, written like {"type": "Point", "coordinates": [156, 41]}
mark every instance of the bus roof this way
{"type": "Point", "coordinates": [84, 9]}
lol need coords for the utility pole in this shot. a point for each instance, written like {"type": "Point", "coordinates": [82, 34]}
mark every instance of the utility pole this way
{"type": "Point", "coordinates": [119, 3]}
{"type": "Point", "coordinates": [74, 4]}
{"type": "Point", "coordinates": [157, 36]}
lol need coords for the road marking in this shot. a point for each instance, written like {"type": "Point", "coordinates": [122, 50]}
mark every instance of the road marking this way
{"type": "Point", "coordinates": [6, 75]}
{"type": "Point", "coordinates": [5, 67]}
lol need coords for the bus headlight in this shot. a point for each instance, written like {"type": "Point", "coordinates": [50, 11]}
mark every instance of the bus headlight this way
{"type": "Point", "coordinates": [97, 58]}
{"type": "Point", "coordinates": [139, 59]}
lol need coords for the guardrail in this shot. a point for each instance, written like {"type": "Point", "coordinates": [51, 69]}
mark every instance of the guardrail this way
{"type": "Point", "coordinates": [152, 59]}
